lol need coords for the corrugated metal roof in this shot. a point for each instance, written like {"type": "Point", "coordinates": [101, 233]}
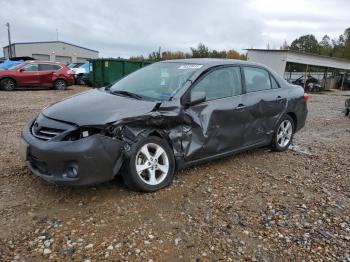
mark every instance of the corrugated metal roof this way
{"type": "Point", "coordinates": [50, 42]}
{"type": "Point", "coordinates": [299, 53]}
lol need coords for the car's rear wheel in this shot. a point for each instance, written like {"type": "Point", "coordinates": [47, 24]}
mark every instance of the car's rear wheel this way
{"type": "Point", "coordinates": [60, 84]}
{"type": "Point", "coordinates": [284, 133]}
{"type": "Point", "coordinates": [7, 84]}
{"type": "Point", "coordinates": [151, 165]}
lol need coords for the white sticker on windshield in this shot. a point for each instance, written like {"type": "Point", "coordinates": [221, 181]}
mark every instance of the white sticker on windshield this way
{"type": "Point", "coordinates": [190, 66]}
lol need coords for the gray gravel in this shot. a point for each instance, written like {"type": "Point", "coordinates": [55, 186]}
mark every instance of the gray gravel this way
{"type": "Point", "coordinates": [255, 206]}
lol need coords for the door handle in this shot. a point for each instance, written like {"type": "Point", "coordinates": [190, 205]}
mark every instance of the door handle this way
{"type": "Point", "coordinates": [241, 107]}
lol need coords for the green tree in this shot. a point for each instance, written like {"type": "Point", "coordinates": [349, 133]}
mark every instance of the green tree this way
{"type": "Point", "coordinates": [168, 55]}
{"type": "Point", "coordinates": [306, 43]}
{"type": "Point", "coordinates": [137, 58]}
{"type": "Point", "coordinates": [200, 52]}
{"type": "Point", "coordinates": [326, 47]}
{"type": "Point", "coordinates": [217, 54]}
{"type": "Point", "coordinates": [243, 56]}
{"type": "Point", "coordinates": [154, 56]}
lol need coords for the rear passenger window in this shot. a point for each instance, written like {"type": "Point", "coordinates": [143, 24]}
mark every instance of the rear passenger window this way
{"type": "Point", "coordinates": [274, 83]}
{"type": "Point", "coordinates": [256, 79]}
{"type": "Point", "coordinates": [48, 67]}
{"type": "Point", "coordinates": [221, 83]}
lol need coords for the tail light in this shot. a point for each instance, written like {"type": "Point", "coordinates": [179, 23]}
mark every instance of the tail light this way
{"type": "Point", "coordinates": [306, 96]}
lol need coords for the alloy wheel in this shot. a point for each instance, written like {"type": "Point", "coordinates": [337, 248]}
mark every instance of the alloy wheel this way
{"type": "Point", "coordinates": [60, 85]}
{"type": "Point", "coordinates": [284, 133]}
{"type": "Point", "coordinates": [8, 84]}
{"type": "Point", "coordinates": [152, 164]}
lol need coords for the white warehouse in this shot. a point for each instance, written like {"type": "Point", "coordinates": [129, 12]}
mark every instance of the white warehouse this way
{"type": "Point", "coordinates": [58, 51]}
{"type": "Point", "coordinates": [278, 59]}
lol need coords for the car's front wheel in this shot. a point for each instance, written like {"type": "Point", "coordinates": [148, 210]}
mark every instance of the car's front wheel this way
{"type": "Point", "coordinates": [7, 84]}
{"type": "Point", "coordinates": [284, 133]}
{"type": "Point", "coordinates": [151, 165]}
{"type": "Point", "coordinates": [60, 84]}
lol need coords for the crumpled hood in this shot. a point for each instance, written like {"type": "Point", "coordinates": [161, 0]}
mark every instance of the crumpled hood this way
{"type": "Point", "coordinates": [97, 107]}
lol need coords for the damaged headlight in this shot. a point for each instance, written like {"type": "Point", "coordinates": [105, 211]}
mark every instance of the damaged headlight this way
{"type": "Point", "coordinates": [114, 131]}
{"type": "Point", "coordinates": [120, 132]}
{"type": "Point", "coordinates": [82, 132]}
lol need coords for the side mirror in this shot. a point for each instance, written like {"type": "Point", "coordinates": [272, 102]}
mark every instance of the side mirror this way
{"type": "Point", "coordinates": [196, 97]}
{"type": "Point", "coordinates": [21, 70]}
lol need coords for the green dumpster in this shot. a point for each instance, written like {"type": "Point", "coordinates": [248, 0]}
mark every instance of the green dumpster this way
{"type": "Point", "coordinates": [105, 71]}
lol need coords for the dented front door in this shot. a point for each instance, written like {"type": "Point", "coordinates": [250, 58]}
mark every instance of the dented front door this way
{"type": "Point", "coordinates": [215, 126]}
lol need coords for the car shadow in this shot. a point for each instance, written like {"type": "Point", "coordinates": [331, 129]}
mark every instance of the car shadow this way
{"type": "Point", "coordinates": [116, 187]}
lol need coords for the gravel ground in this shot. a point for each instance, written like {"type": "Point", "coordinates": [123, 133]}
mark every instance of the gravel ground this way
{"type": "Point", "coordinates": [255, 206]}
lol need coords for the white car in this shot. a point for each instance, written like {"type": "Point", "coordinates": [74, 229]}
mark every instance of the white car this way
{"type": "Point", "coordinates": [78, 72]}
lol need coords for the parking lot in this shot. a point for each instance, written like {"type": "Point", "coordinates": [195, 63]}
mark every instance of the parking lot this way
{"type": "Point", "coordinates": [259, 205]}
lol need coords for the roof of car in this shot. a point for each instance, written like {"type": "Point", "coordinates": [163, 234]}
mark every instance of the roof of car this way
{"type": "Point", "coordinates": [45, 62]}
{"type": "Point", "coordinates": [211, 61]}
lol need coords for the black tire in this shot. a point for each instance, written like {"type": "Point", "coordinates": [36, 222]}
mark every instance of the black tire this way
{"type": "Point", "coordinates": [347, 111]}
{"type": "Point", "coordinates": [278, 144]}
{"type": "Point", "coordinates": [60, 84]}
{"type": "Point", "coordinates": [134, 181]}
{"type": "Point", "coordinates": [7, 84]}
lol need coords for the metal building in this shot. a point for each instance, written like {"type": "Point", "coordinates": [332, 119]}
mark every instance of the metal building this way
{"type": "Point", "coordinates": [279, 59]}
{"type": "Point", "coordinates": [51, 51]}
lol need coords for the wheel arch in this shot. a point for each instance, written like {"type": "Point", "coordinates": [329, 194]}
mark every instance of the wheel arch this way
{"type": "Point", "coordinates": [10, 77]}
{"type": "Point", "coordinates": [60, 78]}
{"type": "Point", "coordinates": [163, 136]}
{"type": "Point", "coordinates": [166, 138]}
{"type": "Point", "coordinates": [295, 119]}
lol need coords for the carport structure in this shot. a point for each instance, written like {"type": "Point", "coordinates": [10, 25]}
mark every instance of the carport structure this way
{"type": "Point", "coordinates": [287, 61]}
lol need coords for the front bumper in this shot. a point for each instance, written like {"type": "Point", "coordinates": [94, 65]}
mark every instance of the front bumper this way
{"type": "Point", "coordinates": [95, 159]}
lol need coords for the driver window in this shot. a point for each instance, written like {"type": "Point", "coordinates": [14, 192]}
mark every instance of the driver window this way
{"type": "Point", "coordinates": [223, 82]}
{"type": "Point", "coordinates": [31, 67]}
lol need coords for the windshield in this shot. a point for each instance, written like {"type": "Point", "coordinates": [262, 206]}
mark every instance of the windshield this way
{"type": "Point", "coordinates": [75, 65]}
{"type": "Point", "coordinates": [159, 81]}
{"type": "Point", "coordinates": [14, 67]}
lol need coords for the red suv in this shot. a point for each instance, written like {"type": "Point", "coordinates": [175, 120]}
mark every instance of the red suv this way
{"type": "Point", "coordinates": [37, 73]}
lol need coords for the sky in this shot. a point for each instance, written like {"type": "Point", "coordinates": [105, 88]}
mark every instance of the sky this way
{"type": "Point", "coordinates": [137, 27]}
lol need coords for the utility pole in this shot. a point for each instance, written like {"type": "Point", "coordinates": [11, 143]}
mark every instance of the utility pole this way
{"type": "Point", "coordinates": [9, 37]}
{"type": "Point", "coordinates": [56, 34]}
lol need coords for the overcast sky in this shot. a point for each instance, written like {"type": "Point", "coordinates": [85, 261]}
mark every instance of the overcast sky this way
{"type": "Point", "coordinates": [134, 27]}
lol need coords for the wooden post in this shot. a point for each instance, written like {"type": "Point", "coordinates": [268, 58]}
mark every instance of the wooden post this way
{"type": "Point", "coordinates": [325, 77]}
{"type": "Point", "coordinates": [342, 82]}
{"type": "Point", "coordinates": [307, 69]}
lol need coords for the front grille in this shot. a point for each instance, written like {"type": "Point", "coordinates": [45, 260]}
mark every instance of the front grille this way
{"type": "Point", "coordinates": [45, 133]}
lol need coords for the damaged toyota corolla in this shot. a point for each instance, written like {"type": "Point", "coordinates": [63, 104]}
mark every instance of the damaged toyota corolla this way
{"type": "Point", "coordinates": [161, 118]}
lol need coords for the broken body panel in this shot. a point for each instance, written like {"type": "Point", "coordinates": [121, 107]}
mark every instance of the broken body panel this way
{"type": "Point", "coordinates": [197, 133]}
